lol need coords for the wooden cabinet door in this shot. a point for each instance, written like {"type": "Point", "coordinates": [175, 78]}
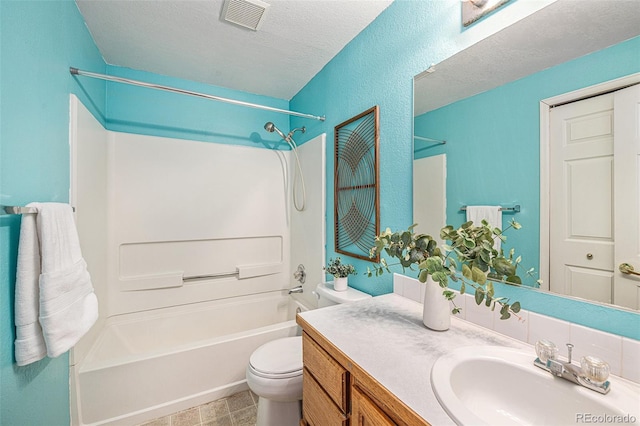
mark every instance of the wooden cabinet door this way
{"type": "Point", "coordinates": [331, 376]}
{"type": "Point", "coordinates": [317, 408]}
{"type": "Point", "coordinates": [364, 412]}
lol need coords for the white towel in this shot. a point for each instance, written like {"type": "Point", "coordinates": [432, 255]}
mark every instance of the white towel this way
{"type": "Point", "coordinates": [492, 214]}
{"type": "Point", "coordinates": [30, 346]}
{"type": "Point", "coordinates": [66, 304]}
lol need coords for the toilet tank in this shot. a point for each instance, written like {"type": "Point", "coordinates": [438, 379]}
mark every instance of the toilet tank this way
{"type": "Point", "coordinates": [327, 296]}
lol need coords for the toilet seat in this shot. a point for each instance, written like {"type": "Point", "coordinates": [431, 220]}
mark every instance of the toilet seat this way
{"type": "Point", "coordinates": [278, 359]}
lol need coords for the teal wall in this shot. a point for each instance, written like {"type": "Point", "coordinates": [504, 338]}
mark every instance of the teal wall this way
{"type": "Point", "coordinates": [39, 40]}
{"type": "Point", "coordinates": [141, 110]}
{"type": "Point", "coordinates": [377, 68]}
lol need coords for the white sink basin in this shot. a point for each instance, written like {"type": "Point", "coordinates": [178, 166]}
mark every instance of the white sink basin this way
{"type": "Point", "coordinates": [487, 385]}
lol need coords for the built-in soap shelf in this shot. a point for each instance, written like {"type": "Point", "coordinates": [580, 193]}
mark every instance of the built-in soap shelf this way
{"type": "Point", "coordinates": [177, 279]}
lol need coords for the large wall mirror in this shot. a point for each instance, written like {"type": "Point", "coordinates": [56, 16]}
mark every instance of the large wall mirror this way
{"type": "Point", "coordinates": [488, 102]}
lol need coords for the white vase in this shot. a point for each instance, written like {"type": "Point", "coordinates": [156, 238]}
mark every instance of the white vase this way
{"type": "Point", "coordinates": [436, 313]}
{"type": "Point", "coordinates": [340, 283]}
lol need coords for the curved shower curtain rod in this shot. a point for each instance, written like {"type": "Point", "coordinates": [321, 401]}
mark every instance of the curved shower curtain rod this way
{"type": "Point", "coordinates": [76, 71]}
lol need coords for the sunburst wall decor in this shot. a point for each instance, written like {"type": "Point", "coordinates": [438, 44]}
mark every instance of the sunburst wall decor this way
{"type": "Point", "coordinates": [356, 195]}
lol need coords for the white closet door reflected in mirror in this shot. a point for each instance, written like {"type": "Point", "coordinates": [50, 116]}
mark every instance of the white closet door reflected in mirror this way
{"type": "Point", "coordinates": [593, 158]}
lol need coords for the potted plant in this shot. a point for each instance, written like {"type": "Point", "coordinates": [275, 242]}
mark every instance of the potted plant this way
{"type": "Point", "coordinates": [340, 272]}
{"type": "Point", "coordinates": [469, 257]}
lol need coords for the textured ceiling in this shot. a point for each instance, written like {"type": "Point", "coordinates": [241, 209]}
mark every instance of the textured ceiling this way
{"type": "Point", "coordinates": [187, 39]}
{"type": "Point", "coordinates": [564, 30]}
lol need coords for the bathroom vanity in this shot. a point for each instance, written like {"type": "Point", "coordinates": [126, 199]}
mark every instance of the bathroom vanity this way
{"type": "Point", "coordinates": [370, 362]}
{"type": "Point", "coordinates": [335, 391]}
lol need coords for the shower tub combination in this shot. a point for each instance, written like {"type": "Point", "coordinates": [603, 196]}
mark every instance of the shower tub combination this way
{"type": "Point", "coordinates": [147, 365]}
{"type": "Point", "coordinates": [164, 343]}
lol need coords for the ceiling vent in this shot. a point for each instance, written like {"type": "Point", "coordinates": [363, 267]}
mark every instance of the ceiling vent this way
{"type": "Point", "coordinates": [246, 13]}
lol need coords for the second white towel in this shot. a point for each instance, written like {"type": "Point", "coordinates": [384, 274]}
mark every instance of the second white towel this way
{"type": "Point", "coordinates": [492, 214]}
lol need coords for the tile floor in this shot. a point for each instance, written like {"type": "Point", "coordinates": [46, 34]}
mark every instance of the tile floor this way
{"type": "Point", "coordinates": [236, 410]}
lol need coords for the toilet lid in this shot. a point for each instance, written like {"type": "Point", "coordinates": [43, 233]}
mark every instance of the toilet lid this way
{"type": "Point", "coordinates": [278, 357]}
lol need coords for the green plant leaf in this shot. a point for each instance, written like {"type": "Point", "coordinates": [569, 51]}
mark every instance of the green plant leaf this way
{"type": "Point", "coordinates": [479, 296]}
{"type": "Point", "coordinates": [504, 312]}
{"type": "Point", "coordinates": [514, 279]}
{"type": "Point", "coordinates": [515, 307]}
{"type": "Point", "coordinates": [466, 272]}
{"type": "Point", "coordinates": [406, 237]}
{"type": "Point", "coordinates": [490, 290]}
{"type": "Point", "coordinates": [485, 256]}
{"type": "Point", "coordinates": [440, 277]}
{"type": "Point", "coordinates": [453, 263]}
{"type": "Point", "coordinates": [478, 276]}
{"type": "Point", "coordinates": [503, 266]}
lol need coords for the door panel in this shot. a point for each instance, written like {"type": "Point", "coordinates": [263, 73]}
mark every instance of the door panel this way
{"type": "Point", "coordinates": [590, 284]}
{"type": "Point", "coordinates": [589, 184]}
{"type": "Point", "coordinates": [627, 181]}
{"type": "Point", "coordinates": [581, 198]}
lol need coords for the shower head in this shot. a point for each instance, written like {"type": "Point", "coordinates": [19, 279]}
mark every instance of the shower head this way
{"type": "Point", "coordinates": [270, 127]}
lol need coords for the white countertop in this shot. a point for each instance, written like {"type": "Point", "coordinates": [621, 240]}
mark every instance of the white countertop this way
{"type": "Point", "coordinates": [385, 336]}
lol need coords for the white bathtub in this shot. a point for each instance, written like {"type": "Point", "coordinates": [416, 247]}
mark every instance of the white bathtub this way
{"type": "Point", "coordinates": [151, 364]}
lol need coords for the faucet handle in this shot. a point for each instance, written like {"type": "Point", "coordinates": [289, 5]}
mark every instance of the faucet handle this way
{"type": "Point", "coordinates": [546, 350]}
{"type": "Point", "coordinates": [595, 369]}
{"type": "Point", "coordinates": [300, 275]}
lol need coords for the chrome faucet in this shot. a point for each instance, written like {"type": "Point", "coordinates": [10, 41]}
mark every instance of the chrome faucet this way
{"type": "Point", "coordinates": [573, 373]}
{"type": "Point", "coordinates": [297, 289]}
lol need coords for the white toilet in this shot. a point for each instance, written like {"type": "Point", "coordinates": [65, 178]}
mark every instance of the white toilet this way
{"type": "Point", "coordinates": [274, 372]}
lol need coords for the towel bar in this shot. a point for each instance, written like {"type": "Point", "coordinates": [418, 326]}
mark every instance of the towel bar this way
{"type": "Point", "coordinates": [515, 209]}
{"type": "Point", "coordinates": [202, 277]}
{"type": "Point", "coordinates": [22, 210]}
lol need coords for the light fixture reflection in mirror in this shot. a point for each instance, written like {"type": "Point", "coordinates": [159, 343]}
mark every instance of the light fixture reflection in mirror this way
{"type": "Point", "coordinates": [472, 10]}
